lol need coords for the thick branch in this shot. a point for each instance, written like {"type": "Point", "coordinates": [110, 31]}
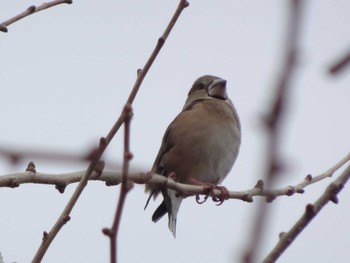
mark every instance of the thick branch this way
{"type": "Point", "coordinates": [31, 10]}
{"type": "Point", "coordinates": [115, 177]}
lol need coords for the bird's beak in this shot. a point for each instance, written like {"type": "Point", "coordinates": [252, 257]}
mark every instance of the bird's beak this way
{"type": "Point", "coordinates": [217, 89]}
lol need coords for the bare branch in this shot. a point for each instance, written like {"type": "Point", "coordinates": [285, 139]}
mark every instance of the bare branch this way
{"type": "Point", "coordinates": [141, 73]}
{"type": "Point", "coordinates": [104, 142]}
{"type": "Point", "coordinates": [115, 177]}
{"type": "Point", "coordinates": [311, 211]}
{"type": "Point", "coordinates": [31, 10]}
{"type": "Point", "coordinates": [112, 232]}
{"type": "Point", "coordinates": [16, 156]}
{"type": "Point", "coordinates": [273, 120]}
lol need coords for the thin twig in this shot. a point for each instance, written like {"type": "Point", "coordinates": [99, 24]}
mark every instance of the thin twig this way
{"type": "Point", "coordinates": [15, 156]}
{"type": "Point", "coordinates": [112, 232]}
{"type": "Point", "coordinates": [31, 10]}
{"type": "Point", "coordinates": [340, 65]}
{"type": "Point", "coordinates": [104, 142]}
{"type": "Point", "coordinates": [273, 122]}
{"type": "Point", "coordinates": [142, 72]}
{"type": "Point", "coordinates": [311, 211]}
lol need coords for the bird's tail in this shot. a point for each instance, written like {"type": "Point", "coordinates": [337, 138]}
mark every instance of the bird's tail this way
{"type": "Point", "coordinates": [173, 203]}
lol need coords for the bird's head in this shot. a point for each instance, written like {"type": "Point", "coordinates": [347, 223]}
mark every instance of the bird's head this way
{"type": "Point", "coordinates": [208, 88]}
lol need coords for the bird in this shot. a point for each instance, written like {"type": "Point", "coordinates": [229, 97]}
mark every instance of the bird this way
{"type": "Point", "coordinates": [200, 145]}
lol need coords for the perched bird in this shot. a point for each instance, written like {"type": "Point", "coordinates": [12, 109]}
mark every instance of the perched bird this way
{"type": "Point", "coordinates": [200, 145]}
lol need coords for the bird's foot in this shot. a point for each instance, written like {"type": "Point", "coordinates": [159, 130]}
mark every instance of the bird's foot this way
{"type": "Point", "coordinates": [209, 188]}
{"type": "Point", "coordinates": [172, 176]}
{"type": "Point", "coordinates": [225, 195]}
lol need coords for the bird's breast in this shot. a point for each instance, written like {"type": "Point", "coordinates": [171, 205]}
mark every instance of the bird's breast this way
{"type": "Point", "coordinates": [206, 143]}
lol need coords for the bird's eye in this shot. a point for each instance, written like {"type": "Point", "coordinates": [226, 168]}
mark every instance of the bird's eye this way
{"type": "Point", "coordinates": [201, 86]}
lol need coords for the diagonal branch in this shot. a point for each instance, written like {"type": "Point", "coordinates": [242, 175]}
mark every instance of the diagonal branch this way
{"type": "Point", "coordinates": [104, 142]}
{"type": "Point", "coordinates": [31, 10]}
{"type": "Point", "coordinates": [311, 211]}
{"type": "Point", "coordinates": [340, 65]}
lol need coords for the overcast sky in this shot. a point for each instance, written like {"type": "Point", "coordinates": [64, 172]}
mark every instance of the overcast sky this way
{"type": "Point", "coordinates": [66, 72]}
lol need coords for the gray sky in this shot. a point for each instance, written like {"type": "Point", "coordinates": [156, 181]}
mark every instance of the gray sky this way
{"type": "Point", "coordinates": [66, 73]}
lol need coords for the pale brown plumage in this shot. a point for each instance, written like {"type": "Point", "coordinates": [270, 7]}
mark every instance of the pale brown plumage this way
{"type": "Point", "coordinates": [201, 143]}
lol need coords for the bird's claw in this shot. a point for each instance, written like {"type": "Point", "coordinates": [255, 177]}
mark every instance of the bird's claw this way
{"type": "Point", "coordinates": [209, 187]}
{"type": "Point", "coordinates": [225, 195]}
{"type": "Point", "coordinates": [198, 199]}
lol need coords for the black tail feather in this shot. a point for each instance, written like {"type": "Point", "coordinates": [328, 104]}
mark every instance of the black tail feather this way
{"type": "Point", "coordinates": [160, 212]}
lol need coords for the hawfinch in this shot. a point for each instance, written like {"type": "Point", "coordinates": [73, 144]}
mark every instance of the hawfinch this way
{"type": "Point", "coordinates": [200, 145]}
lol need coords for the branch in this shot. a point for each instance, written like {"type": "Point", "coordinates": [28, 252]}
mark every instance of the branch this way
{"type": "Point", "coordinates": [112, 232]}
{"type": "Point", "coordinates": [340, 65]}
{"type": "Point", "coordinates": [273, 121]}
{"type": "Point", "coordinates": [156, 181]}
{"type": "Point", "coordinates": [31, 10]}
{"type": "Point", "coordinates": [16, 156]}
{"type": "Point", "coordinates": [104, 142]}
{"type": "Point", "coordinates": [311, 211]}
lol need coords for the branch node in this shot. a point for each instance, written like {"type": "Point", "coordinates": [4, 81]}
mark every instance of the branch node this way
{"type": "Point", "coordinates": [334, 190]}
{"type": "Point", "coordinates": [31, 167]}
{"type": "Point", "coordinates": [66, 219]}
{"type": "Point", "coordinates": [247, 198]}
{"type": "Point", "coordinates": [111, 183]}
{"type": "Point", "coordinates": [281, 235]}
{"type": "Point", "coordinates": [334, 199]}
{"type": "Point", "coordinates": [300, 191]}
{"type": "Point", "coordinates": [310, 210]}
{"type": "Point", "coordinates": [61, 187]}
{"type": "Point", "coordinates": [103, 142]}
{"type": "Point", "coordinates": [270, 198]}
{"type": "Point", "coordinates": [308, 178]}
{"type": "Point", "coordinates": [290, 191]}
{"type": "Point", "coordinates": [3, 28]}
{"type": "Point", "coordinates": [99, 168]}
{"type": "Point", "coordinates": [107, 231]}
{"type": "Point", "coordinates": [259, 185]}
{"type": "Point", "coordinates": [161, 41]}
{"type": "Point", "coordinates": [31, 9]}
{"type": "Point", "coordinates": [13, 183]}
{"type": "Point", "coordinates": [128, 156]}
{"type": "Point", "coordinates": [45, 235]}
